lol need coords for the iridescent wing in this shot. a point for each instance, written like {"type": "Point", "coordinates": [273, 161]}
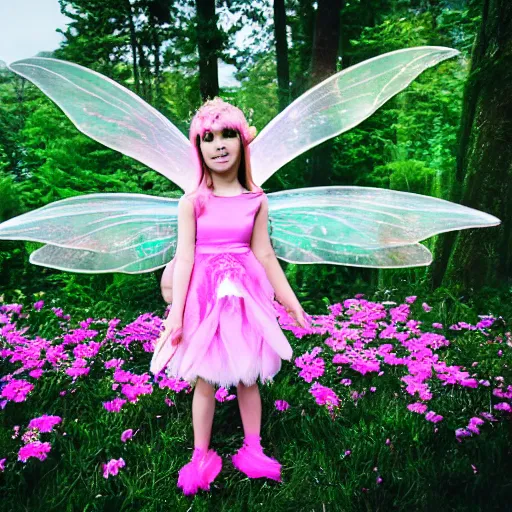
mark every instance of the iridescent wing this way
{"type": "Point", "coordinates": [338, 104]}
{"type": "Point", "coordinates": [98, 233]}
{"type": "Point", "coordinates": [114, 116]}
{"type": "Point", "coordinates": [362, 226]}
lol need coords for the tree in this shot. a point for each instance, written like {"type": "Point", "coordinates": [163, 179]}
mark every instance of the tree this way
{"type": "Point", "coordinates": [209, 44]}
{"type": "Point", "coordinates": [283, 70]}
{"type": "Point", "coordinates": [326, 41]}
{"type": "Point", "coordinates": [323, 64]}
{"type": "Point", "coordinates": [484, 163]}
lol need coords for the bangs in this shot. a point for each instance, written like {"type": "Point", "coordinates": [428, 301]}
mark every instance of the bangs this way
{"type": "Point", "coordinates": [217, 115]}
{"type": "Point", "coordinates": [217, 124]}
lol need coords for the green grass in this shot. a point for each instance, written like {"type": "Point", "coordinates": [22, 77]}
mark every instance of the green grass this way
{"type": "Point", "coordinates": [423, 467]}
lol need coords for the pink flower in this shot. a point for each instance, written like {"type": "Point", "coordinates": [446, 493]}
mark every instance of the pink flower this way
{"type": "Point", "coordinates": [169, 402]}
{"type": "Point", "coordinates": [222, 395]}
{"type": "Point", "coordinates": [44, 423]}
{"type": "Point", "coordinates": [433, 417]}
{"type": "Point", "coordinates": [77, 371]}
{"type": "Point", "coordinates": [379, 480]}
{"type": "Point", "coordinates": [35, 449]}
{"type": "Point", "coordinates": [114, 405]}
{"type": "Point", "coordinates": [437, 325]}
{"type": "Point", "coordinates": [36, 374]}
{"type": "Point", "coordinates": [17, 390]}
{"type": "Point", "coordinates": [417, 407]}
{"type": "Point", "coordinates": [346, 382]}
{"type": "Point", "coordinates": [503, 406]}
{"type": "Point", "coordinates": [426, 307]}
{"type": "Point", "coordinates": [474, 423]}
{"type": "Point", "coordinates": [312, 366]}
{"type": "Point", "coordinates": [324, 395]}
{"type": "Point", "coordinates": [411, 299]}
{"type": "Point", "coordinates": [486, 321]}
{"type": "Point", "coordinates": [469, 383]}
{"type": "Point", "coordinates": [400, 313]}
{"type": "Point", "coordinates": [175, 384]}
{"type": "Point", "coordinates": [127, 434]}
{"type": "Point", "coordinates": [112, 467]}
{"type": "Point", "coordinates": [461, 432]}
{"type": "Point", "coordinates": [38, 305]}
{"type": "Point", "coordinates": [114, 363]}
{"type": "Point", "coordinates": [281, 405]}
{"type": "Point", "coordinates": [488, 416]}
{"type": "Point", "coordinates": [2, 464]}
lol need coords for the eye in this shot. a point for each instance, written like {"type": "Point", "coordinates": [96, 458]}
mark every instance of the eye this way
{"type": "Point", "coordinates": [208, 137]}
{"type": "Point", "coordinates": [229, 133]}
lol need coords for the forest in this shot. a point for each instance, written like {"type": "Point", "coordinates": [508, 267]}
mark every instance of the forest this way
{"type": "Point", "coordinates": [398, 397]}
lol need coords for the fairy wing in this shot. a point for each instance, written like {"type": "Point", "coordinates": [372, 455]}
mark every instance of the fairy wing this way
{"type": "Point", "coordinates": [113, 115]}
{"type": "Point", "coordinates": [338, 104]}
{"type": "Point", "coordinates": [362, 226]}
{"type": "Point", "coordinates": [98, 233]}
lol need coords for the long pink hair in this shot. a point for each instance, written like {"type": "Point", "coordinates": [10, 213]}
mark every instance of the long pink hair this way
{"type": "Point", "coordinates": [216, 114]}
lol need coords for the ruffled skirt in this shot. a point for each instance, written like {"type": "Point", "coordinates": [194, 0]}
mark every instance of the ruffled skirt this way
{"type": "Point", "coordinates": [230, 329]}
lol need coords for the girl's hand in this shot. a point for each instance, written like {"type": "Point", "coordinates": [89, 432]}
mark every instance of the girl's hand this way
{"type": "Point", "coordinates": [173, 330]}
{"type": "Point", "coordinates": [299, 315]}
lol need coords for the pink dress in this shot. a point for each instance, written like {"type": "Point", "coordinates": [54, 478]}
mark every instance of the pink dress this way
{"type": "Point", "coordinates": [230, 329]}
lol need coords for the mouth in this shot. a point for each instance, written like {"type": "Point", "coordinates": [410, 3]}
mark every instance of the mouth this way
{"type": "Point", "coordinates": [225, 155]}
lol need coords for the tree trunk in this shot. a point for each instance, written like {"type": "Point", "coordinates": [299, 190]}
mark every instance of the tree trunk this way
{"type": "Point", "coordinates": [323, 65]}
{"type": "Point", "coordinates": [133, 45]}
{"type": "Point", "coordinates": [283, 69]}
{"type": "Point", "coordinates": [158, 72]}
{"type": "Point", "coordinates": [326, 40]}
{"type": "Point", "coordinates": [208, 45]}
{"type": "Point", "coordinates": [303, 33]}
{"type": "Point", "coordinates": [145, 72]}
{"type": "Point", "coordinates": [484, 164]}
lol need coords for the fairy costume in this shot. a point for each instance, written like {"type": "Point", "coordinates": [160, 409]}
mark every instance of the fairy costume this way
{"type": "Point", "coordinates": [230, 330]}
{"type": "Point", "coordinates": [228, 309]}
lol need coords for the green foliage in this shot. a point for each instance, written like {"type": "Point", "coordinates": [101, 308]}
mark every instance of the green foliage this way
{"type": "Point", "coordinates": [408, 176]}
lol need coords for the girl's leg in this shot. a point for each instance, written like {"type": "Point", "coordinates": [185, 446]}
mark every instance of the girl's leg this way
{"type": "Point", "coordinates": [205, 464]}
{"type": "Point", "coordinates": [203, 409]}
{"type": "Point", "coordinates": [250, 459]}
{"type": "Point", "coordinates": [249, 402]}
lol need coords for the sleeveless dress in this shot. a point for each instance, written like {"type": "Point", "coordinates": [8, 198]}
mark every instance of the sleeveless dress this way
{"type": "Point", "coordinates": [230, 328]}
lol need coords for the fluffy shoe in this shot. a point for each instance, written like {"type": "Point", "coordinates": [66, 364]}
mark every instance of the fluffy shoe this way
{"type": "Point", "coordinates": [251, 460]}
{"type": "Point", "coordinates": [200, 472]}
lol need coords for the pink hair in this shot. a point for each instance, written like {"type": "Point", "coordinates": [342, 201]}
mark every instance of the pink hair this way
{"type": "Point", "coordinates": [216, 114]}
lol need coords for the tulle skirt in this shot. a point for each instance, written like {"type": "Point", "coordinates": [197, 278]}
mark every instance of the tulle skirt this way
{"type": "Point", "coordinates": [230, 329]}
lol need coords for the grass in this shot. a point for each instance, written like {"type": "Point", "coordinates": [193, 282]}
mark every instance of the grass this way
{"type": "Point", "coordinates": [422, 466]}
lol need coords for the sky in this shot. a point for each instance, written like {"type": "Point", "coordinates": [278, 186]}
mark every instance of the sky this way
{"type": "Point", "coordinates": [27, 27]}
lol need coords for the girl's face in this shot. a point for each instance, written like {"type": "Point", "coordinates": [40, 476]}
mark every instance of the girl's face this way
{"type": "Point", "coordinates": [221, 150]}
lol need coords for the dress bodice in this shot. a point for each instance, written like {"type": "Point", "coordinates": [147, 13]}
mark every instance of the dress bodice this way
{"type": "Point", "coordinates": [227, 222]}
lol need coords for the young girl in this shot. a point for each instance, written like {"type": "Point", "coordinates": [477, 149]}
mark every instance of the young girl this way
{"type": "Point", "coordinates": [222, 328]}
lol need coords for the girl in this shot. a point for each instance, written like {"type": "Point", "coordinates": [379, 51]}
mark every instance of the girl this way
{"type": "Point", "coordinates": [222, 328]}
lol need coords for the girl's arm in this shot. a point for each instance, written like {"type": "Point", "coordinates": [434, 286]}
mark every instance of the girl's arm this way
{"type": "Point", "coordinates": [183, 260]}
{"type": "Point", "coordinates": [166, 281]}
{"type": "Point", "coordinates": [264, 252]}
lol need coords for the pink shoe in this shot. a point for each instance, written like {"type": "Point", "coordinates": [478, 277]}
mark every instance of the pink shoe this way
{"type": "Point", "coordinates": [255, 464]}
{"type": "Point", "coordinates": [200, 472]}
